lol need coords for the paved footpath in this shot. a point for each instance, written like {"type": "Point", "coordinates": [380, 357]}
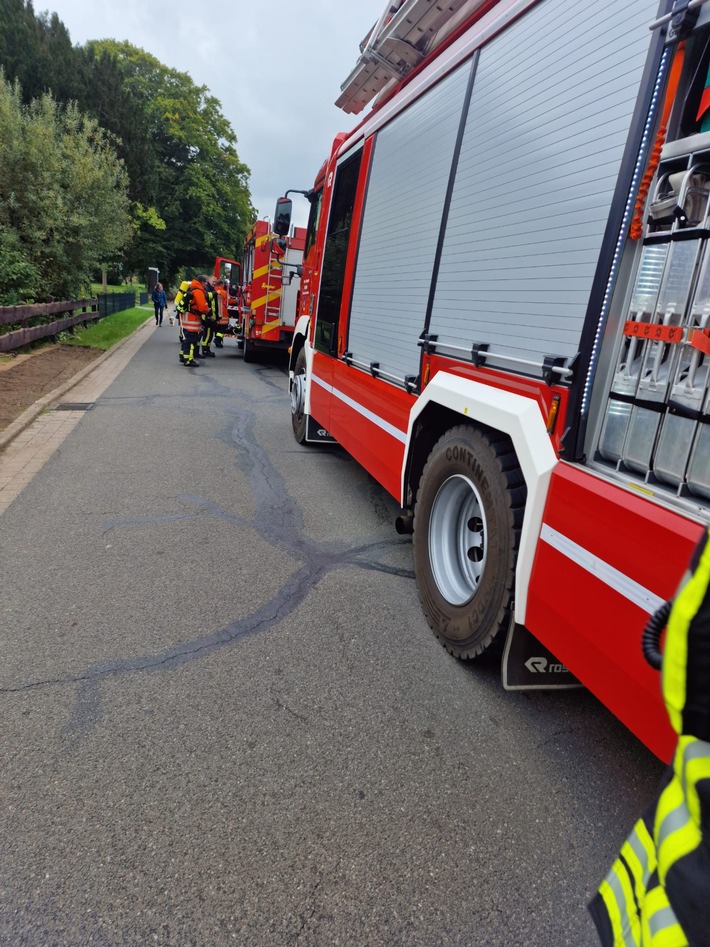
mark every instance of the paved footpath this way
{"type": "Point", "coordinates": [32, 439]}
{"type": "Point", "coordinates": [223, 717]}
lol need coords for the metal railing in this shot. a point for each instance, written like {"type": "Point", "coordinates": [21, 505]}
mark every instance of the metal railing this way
{"type": "Point", "coordinates": [115, 302]}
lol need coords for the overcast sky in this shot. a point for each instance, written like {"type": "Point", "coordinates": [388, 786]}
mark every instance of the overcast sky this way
{"type": "Point", "coordinates": [275, 65]}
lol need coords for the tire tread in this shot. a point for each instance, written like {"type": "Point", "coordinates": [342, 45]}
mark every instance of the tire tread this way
{"type": "Point", "coordinates": [513, 483]}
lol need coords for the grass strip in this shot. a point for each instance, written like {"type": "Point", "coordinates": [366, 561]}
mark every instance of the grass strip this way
{"type": "Point", "coordinates": [109, 331]}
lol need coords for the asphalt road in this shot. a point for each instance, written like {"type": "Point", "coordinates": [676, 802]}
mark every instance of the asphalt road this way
{"type": "Point", "coordinates": [224, 719]}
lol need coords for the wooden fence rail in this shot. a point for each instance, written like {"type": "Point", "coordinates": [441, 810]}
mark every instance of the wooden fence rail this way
{"type": "Point", "coordinates": [80, 310]}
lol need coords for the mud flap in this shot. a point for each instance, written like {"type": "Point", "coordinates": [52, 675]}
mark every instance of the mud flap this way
{"type": "Point", "coordinates": [528, 665]}
{"type": "Point", "coordinates": [316, 433]}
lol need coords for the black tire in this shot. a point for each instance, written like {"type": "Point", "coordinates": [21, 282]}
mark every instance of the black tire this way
{"type": "Point", "coordinates": [247, 351]}
{"type": "Point", "coordinates": [299, 418]}
{"type": "Point", "coordinates": [467, 522]}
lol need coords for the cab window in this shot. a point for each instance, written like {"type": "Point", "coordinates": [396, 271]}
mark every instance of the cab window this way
{"type": "Point", "coordinates": [335, 254]}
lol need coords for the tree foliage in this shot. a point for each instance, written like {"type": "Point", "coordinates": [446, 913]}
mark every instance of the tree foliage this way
{"type": "Point", "coordinates": [193, 176]}
{"type": "Point", "coordinates": [64, 208]}
{"type": "Point", "coordinates": [188, 189]}
{"type": "Point", "coordinates": [37, 52]}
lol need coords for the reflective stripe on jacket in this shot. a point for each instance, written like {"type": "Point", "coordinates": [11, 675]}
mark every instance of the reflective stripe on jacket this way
{"type": "Point", "coordinates": [212, 302]}
{"type": "Point", "coordinates": [190, 321]}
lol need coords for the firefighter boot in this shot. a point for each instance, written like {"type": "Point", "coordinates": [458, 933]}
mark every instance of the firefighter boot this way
{"type": "Point", "coordinates": [207, 353]}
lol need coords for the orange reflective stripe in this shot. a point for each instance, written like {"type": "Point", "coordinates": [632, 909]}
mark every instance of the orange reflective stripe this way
{"type": "Point", "coordinates": [190, 322]}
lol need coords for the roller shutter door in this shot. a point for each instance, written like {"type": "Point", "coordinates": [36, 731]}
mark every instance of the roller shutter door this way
{"type": "Point", "coordinates": [545, 133]}
{"type": "Point", "coordinates": [401, 223]}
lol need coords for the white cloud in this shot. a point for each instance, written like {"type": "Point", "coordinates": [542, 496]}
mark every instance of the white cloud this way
{"type": "Point", "coordinates": [275, 66]}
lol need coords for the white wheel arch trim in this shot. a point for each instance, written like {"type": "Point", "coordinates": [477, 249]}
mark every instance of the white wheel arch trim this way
{"type": "Point", "coordinates": [301, 331]}
{"type": "Point", "coordinates": [518, 417]}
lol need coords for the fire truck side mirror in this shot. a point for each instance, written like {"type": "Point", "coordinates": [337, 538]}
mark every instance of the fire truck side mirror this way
{"type": "Point", "coordinates": [282, 216]}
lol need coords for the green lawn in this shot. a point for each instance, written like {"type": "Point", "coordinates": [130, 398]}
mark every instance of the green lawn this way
{"type": "Point", "coordinates": [109, 331]}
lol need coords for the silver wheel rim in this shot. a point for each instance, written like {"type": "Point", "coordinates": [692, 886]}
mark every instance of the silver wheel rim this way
{"type": "Point", "coordinates": [298, 395]}
{"type": "Point", "coordinates": [458, 540]}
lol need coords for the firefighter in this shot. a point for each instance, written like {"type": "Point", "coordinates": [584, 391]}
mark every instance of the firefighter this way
{"type": "Point", "coordinates": [658, 890]}
{"type": "Point", "coordinates": [179, 295]}
{"type": "Point", "coordinates": [223, 322]}
{"type": "Point", "coordinates": [193, 307]}
{"type": "Point", "coordinates": [211, 319]}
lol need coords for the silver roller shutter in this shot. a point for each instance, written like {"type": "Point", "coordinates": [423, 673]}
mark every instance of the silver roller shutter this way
{"type": "Point", "coordinates": [401, 222]}
{"type": "Point", "coordinates": [548, 120]}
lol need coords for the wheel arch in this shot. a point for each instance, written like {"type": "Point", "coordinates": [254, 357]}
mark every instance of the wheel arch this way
{"type": "Point", "coordinates": [298, 341]}
{"type": "Point", "coordinates": [449, 400]}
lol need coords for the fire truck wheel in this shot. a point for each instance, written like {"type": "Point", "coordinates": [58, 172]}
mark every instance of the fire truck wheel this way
{"type": "Point", "coordinates": [299, 418]}
{"type": "Point", "coordinates": [247, 353]}
{"type": "Point", "coordinates": [467, 523]}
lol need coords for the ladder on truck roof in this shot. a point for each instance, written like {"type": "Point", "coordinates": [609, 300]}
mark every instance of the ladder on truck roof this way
{"type": "Point", "coordinates": [406, 33]}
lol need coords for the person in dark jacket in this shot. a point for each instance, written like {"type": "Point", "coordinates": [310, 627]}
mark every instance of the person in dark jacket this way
{"type": "Point", "coordinates": [160, 301]}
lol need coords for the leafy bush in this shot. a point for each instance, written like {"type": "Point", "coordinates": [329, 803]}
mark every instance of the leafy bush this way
{"type": "Point", "coordinates": [64, 209]}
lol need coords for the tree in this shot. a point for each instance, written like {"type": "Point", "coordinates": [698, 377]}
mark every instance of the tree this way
{"type": "Point", "coordinates": [37, 51]}
{"type": "Point", "coordinates": [189, 190]}
{"type": "Point", "coordinates": [64, 208]}
{"type": "Point", "coordinates": [198, 185]}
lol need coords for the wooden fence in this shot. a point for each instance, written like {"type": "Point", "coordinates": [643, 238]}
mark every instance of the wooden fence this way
{"type": "Point", "coordinates": [78, 310]}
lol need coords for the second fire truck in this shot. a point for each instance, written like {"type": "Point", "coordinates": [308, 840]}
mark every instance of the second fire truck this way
{"type": "Point", "coordinates": [271, 279]}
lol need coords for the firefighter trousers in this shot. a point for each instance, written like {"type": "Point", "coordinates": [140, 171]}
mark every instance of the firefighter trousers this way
{"type": "Point", "coordinates": [207, 335]}
{"type": "Point", "coordinates": [190, 345]}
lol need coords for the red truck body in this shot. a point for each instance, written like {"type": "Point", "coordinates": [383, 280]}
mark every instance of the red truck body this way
{"type": "Point", "coordinates": [505, 318]}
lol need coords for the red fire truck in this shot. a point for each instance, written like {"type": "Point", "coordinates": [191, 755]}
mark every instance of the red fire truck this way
{"type": "Point", "coordinates": [271, 274]}
{"type": "Point", "coordinates": [504, 317]}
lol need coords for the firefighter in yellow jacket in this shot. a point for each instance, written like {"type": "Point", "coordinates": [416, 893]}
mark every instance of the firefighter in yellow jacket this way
{"type": "Point", "coordinates": [179, 296]}
{"type": "Point", "coordinates": [657, 893]}
{"type": "Point", "coordinates": [193, 307]}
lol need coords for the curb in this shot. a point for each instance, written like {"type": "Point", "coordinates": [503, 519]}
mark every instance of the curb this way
{"type": "Point", "coordinates": [29, 414]}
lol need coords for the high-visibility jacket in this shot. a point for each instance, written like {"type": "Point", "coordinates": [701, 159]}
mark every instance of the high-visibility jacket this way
{"type": "Point", "coordinates": [657, 893]}
{"type": "Point", "coordinates": [192, 314]}
{"type": "Point", "coordinates": [212, 302]}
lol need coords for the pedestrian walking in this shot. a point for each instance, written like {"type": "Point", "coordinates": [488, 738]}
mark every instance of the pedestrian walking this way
{"type": "Point", "coordinates": [160, 301]}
